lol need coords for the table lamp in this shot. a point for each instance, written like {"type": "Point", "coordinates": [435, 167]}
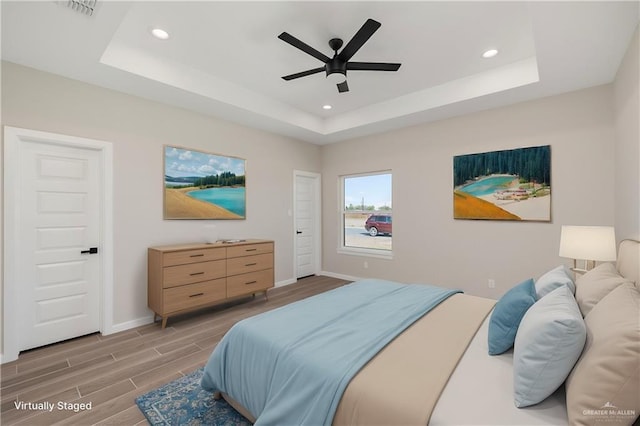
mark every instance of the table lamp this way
{"type": "Point", "coordinates": [587, 243]}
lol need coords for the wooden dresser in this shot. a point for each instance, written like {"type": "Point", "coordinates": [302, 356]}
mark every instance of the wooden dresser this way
{"type": "Point", "coordinates": [186, 277]}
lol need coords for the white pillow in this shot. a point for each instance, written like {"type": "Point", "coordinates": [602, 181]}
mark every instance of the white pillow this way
{"type": "Point", "coordinates": [553, 279]}
{"type": "Point", "coordinates": [549, 342]}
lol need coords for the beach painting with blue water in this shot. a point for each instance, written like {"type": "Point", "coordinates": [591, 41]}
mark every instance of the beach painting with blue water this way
{"type": "Point", "coordinates": [503, 185]}
{"type": "Point", "coordinates": [201, 185]}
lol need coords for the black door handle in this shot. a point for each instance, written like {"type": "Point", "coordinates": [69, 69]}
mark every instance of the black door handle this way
{"type": "Point", "coordinates": [92, 250]}
{"type": "Point", "coordinates": [298, 232]}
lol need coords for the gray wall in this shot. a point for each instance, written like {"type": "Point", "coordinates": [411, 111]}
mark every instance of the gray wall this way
{"type": "Point", "coordinates": [595, 149]}
{"type": "Point", "coordinates": [627, 151]}
{"type": "Point", "coordinates": [429, 246]}
{"type": "Point", "coordinates": [138, 130]}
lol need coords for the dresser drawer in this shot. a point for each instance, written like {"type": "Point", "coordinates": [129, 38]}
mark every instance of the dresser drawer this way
{"type": "Point", "coordinates": [249, 283]}
{"type": "Point", "coordinates": [242, 265]}
{"type": "Point", "coordinates": [192, 295]}
{"type": "Point", "coordinates": [249, 249]}
{"type": "Point", "coordinates": [192, 273]}
{"type": "Point", "coordinates": [193, 256]}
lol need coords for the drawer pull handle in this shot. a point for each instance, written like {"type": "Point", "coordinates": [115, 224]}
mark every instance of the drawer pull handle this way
{"type": "Point", "coordinates": [250, 264]}
{"type": "Point", "coordinates": [196, 273]}
{"type": "Point", "coordinates": [197, 255]}
{"type": "Point", "coordinates": [197, 294]}
{"type": "Point", "coordinates": [251, 249]}
{"type": "Point", "coordinates": [250, 282]}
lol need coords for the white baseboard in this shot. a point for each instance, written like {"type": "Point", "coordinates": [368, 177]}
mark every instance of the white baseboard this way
{"type": "Point", "coordinates": [340, 276]}
{"type": "Point", "coordinates": [116, 328]}
{"type": "Point", "coordinates": [325, 273]}
{"type": "Point", "coordinates": [286, 282]}
{"type": "Point", "coordinates": [124, 326]}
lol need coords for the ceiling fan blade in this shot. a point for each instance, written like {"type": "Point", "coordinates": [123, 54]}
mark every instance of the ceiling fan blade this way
{"type": "Point", "coordinates": [372, 66]}
{"type": "Point", "coordinates": [303, 73]}
{"type": "Point", "coordinates": [361, 37]}
{"type": "Point", "coordinates": [288, 38]}
{"type": "Point", "coordinates": [343, 87]}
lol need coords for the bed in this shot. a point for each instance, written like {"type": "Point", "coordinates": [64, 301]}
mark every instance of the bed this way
{"type": "Point", "coordinates": [436, 370]}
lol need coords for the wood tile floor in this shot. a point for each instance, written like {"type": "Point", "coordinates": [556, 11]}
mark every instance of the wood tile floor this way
{"type": "Point", "coordinates": [111, 371]}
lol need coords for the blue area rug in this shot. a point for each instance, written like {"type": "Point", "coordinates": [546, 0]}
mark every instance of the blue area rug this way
{"type": "Point", "coordinates": [184, 402]}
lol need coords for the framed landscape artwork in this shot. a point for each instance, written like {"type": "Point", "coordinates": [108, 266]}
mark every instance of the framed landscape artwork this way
{"type": "Point", "coordinates": [503, 185]}
{"type": "Point", "coordinates": [200, 185]}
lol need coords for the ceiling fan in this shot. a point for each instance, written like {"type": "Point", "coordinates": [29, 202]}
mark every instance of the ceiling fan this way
{"type": "Point", "coordinates": [337, 67]}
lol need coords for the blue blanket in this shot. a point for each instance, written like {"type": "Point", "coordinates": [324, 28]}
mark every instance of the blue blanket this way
{"type": "Point", "coordinates": [290, 366]}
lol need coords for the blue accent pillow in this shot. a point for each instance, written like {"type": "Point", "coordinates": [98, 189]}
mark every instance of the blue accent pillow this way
{"type": "Point", "coordinates": [507, 315]}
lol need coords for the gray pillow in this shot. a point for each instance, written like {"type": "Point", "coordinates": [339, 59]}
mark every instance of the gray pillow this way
{"type": "Point", "coordinates": [596, 284]}
{"type": "Point", "coordinates": [607, 375]}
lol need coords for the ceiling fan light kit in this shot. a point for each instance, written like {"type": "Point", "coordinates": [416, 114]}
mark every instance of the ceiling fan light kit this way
{"type": "Point", "coordinates": [337, 77]}
{"type": "Point", "coordinates": [336, 67]}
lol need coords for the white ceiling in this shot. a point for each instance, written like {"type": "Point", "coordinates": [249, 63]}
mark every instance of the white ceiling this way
{"type": "Point", "coordinates": [224, 58]}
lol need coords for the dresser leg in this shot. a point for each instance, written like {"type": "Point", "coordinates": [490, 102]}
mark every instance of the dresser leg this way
{"type": "Point", "coordinates": [164, 322]}
{"type": "Point", "coordinates": [266, 297]}
{"type": "Point", "coordinates": [217, 395]}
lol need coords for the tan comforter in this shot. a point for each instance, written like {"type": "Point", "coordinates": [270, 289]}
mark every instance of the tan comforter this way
{"type": "Point", "coordinates": [402, 383]}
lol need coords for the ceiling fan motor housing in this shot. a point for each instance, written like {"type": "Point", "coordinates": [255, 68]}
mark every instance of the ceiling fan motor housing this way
{"type": "Point", "coordinates": [336, 65]}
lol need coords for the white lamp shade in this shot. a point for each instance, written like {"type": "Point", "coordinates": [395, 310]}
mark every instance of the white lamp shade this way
{"type": "Point", "coordinates": [588, 243]}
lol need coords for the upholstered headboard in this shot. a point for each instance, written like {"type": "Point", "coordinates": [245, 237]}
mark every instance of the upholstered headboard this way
{"type": "Point", "coordinates": [628, 263]}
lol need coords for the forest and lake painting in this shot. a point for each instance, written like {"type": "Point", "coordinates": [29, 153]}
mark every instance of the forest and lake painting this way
{"type": "Point", "coordinates": [503, 185]}
{"type": "Point", "coordinates": [198, 185]}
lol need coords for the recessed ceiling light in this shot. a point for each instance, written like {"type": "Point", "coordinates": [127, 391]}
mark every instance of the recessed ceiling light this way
{"type": "Point", "coordinates": [160, 33]}
{"type": "Point", "coordinates": [490, 53]}
{"type": "Point", "coordinates": [326, 107]}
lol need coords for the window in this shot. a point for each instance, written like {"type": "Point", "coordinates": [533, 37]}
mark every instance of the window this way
{"type": "Point", "coordinates": [366, 214]}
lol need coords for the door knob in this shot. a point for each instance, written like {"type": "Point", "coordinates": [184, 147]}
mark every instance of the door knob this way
{"type": "Point", "coordinates": [92, 250]}
{"type": "Point", "coordinates": [298, 232]}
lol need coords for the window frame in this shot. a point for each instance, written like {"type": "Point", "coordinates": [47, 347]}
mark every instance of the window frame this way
{"type": "Point", "coordinates": [360, 251]}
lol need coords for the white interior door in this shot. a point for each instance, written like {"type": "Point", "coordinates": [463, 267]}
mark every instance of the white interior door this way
{"type": "Point", "coordinates": [307, 223]}
{"type": "Point", "coordinates": [58, 286]}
